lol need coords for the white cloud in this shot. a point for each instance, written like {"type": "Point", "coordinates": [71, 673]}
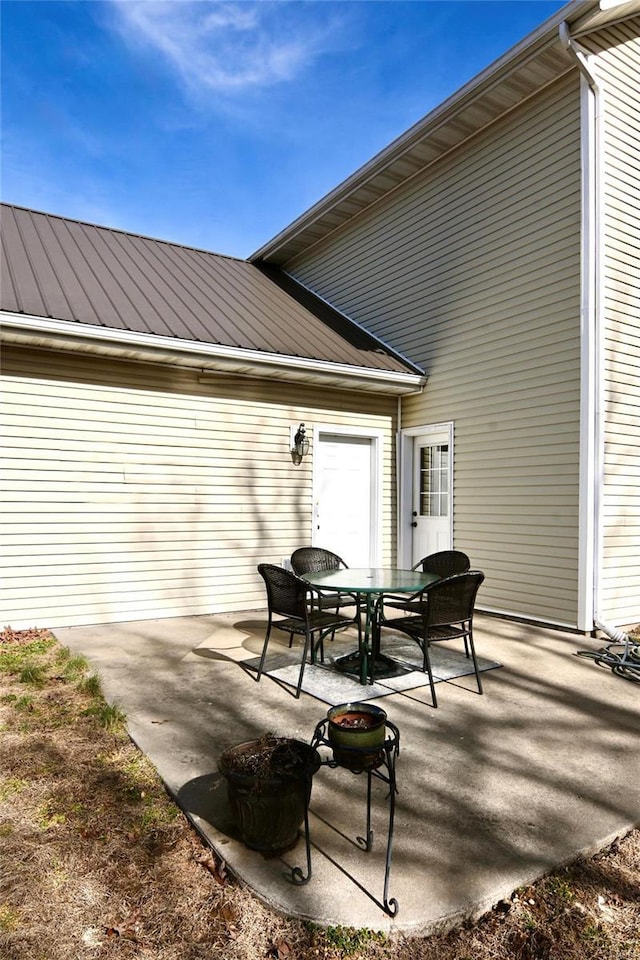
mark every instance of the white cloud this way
{"type": "Point", "coordinates": [233, 46]}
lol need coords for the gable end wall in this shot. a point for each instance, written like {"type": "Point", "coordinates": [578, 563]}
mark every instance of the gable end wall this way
{"type": "Point", "coordinates": [472, 270]}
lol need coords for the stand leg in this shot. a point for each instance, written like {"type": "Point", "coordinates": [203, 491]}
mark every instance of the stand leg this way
{"type": "Point", "coordinates": [390, 906]}
{"type": "Point", "coordinates": [367, 840]}
{"type": "Point", "coordinates": [296, 875]}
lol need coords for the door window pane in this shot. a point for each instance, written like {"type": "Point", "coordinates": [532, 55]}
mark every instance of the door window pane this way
{"type": "Point", "coordinates": [434, 480]}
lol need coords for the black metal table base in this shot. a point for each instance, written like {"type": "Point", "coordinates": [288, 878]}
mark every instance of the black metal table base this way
{"type": "Point", "coordinates": [382, 767]}
{"type": "Point", "coordinates": [380, 666]}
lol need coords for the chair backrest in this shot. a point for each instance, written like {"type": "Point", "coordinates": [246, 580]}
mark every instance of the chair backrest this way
{"type": "Point", "coordinates": [445, 563]}
{"type": "Point", "coordinates": [286, 593]}
{"type": "Point", "coordinates": [452, 599]}
{"type": "Point", "coordinates": [315, 560]}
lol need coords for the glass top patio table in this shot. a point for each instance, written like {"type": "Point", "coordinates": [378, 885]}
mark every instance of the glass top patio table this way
{"type": "Point", "coordinates": [368, 582]}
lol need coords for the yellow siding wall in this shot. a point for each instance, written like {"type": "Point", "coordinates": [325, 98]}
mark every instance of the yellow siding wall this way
{"type": "Point", "coordinates": [617, 67]}
{"type": "Point", "coordinates": [473, 271]}
{"type": "Point", "coordinates": [133, 491]}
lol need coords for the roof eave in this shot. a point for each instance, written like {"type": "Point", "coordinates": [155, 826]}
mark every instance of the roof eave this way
{"type": "Point", "coordinates": [52, 334]}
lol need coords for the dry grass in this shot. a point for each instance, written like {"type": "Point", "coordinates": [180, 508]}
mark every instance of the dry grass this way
{"type": "Point", "coordinates": [97, 862]}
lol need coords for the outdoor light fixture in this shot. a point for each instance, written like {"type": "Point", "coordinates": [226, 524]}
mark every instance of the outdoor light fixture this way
{"type": "Point", "coordinates": [299, 445]}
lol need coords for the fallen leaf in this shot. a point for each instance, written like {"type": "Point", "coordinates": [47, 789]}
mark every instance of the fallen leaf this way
{"type": "Point", "coordinates": [128, 930]}
{"type": "Point", "coordinates": [280, 950]}
{"type": "Point", "coordinates": [217, 870]}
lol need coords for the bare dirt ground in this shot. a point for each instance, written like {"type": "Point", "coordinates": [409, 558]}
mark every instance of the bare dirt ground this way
{"type": "Point", "coordinates": [97, 862]}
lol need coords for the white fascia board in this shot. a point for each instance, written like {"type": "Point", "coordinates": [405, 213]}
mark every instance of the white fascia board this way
{"type": "Point", "coordinates": [228, 357]}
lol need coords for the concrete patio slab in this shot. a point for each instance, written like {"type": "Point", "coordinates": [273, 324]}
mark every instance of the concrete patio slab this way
{"type": "Point", "coordinates": [494, 790]}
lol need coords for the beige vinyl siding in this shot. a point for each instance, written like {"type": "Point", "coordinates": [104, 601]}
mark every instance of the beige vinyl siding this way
{"type": "Point", "coordinates": [132, 491]}
{"type": "Point", "coordinates": [617, 67]}
{"type": "Point", "coordinates": [472, 270]}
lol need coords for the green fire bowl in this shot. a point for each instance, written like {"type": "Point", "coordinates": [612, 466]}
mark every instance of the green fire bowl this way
{"type": "Point", "coordinates": [357, 734]}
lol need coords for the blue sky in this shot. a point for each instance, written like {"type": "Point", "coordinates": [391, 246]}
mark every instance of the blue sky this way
{"type": "Point", "coordinates": [216, 124]}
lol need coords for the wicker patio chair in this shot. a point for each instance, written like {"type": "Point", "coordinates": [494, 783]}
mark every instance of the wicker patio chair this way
{"type": "Point", "coordinates": [289, 597]}
{"type": "Point", "coordinates": [444, 612]}
{"type": "Point", "coordinates": [443, 564]}
{"type": "Point", "coordinates": [315, 560]}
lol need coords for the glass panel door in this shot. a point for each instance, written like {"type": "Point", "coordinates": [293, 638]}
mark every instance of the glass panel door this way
{"type": "Point", "coordinates": [432, 476]}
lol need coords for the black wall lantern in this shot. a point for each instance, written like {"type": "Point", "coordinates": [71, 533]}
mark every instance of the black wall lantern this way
{"type": "Point", "coordinates": [300, 445]}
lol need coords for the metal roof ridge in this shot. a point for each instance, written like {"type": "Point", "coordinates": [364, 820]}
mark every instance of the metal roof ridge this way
{"type": "Point", "coordinates": [121, 230]}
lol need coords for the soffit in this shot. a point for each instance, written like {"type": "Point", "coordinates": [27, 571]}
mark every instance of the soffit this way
{"type": "Point", "coordinates": [597, 17]}
{"type": "Point", "coordinates": [42, 334]}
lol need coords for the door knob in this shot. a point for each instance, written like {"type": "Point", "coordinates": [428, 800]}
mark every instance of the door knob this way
{"type": "Point", "coordinates": [415, 523]}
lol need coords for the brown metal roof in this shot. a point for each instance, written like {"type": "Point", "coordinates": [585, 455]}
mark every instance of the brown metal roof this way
{"type": "Point", "coordinates": [86, 274]}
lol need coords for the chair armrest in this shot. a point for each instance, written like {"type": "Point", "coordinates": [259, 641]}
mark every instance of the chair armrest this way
{"type": "Point", "coordinates": [326, 597]}
{"type": "Point", "coordinates": [411, 604]}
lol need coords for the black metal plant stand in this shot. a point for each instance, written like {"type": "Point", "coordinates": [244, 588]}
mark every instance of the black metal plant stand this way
{"type": "Point", "coordinates": [382, 766]}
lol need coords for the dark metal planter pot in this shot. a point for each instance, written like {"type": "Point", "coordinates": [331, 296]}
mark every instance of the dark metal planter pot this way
{"type": "Point", "coordinates": [269, 786]}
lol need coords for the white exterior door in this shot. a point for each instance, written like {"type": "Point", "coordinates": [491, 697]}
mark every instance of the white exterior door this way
{"type": "Point", "coordinates": [346, 511]}
{"type": "Point", "coordinates": [431, 521]}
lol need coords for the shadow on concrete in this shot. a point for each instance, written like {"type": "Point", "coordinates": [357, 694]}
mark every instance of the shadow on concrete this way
{"type": "Point", "coordinates": [494, 790]}
{"type": "Point", "coordinates": [205, 799]}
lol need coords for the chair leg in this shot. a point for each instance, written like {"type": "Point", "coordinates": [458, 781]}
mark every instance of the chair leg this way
{"type": "Point", "coordinates": [332, 635]}
{"type": "Point", "coordinates": [305, 654]}
{"type": "Point", "coordinates": [318, 645]}
{"type": "Point", "coordinates": [264, 651]}
{"type": "Point", "coordinates": [426, 665]}
{"type": "Point", "coordinates": [475, 662]}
